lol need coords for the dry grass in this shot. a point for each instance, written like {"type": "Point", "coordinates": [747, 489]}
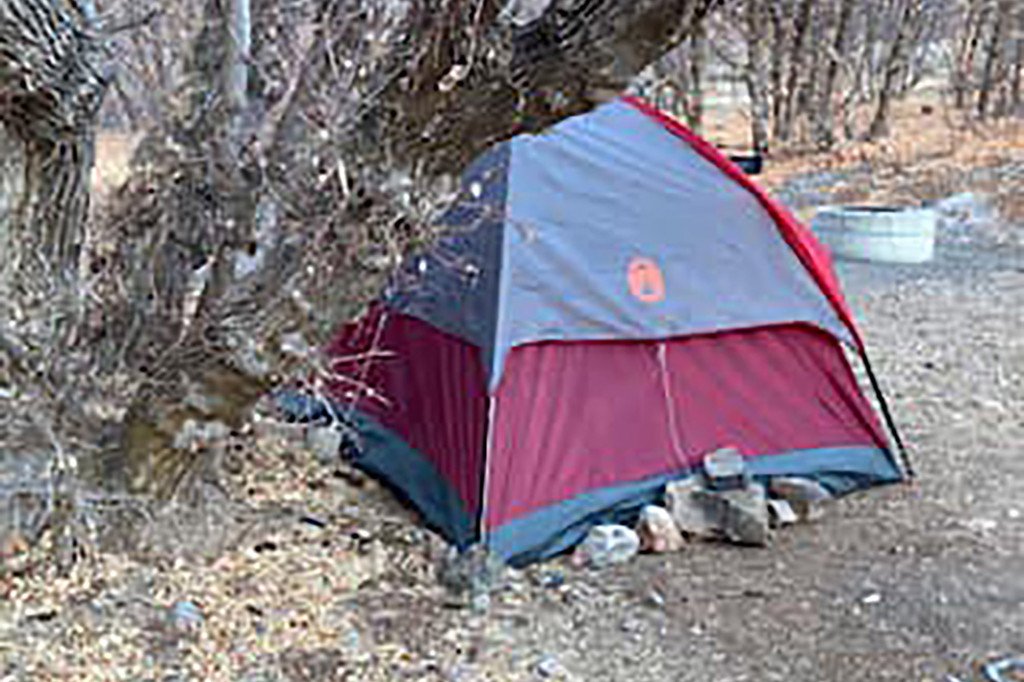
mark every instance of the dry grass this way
{"type": "Point", "coordinates": [929, 154]}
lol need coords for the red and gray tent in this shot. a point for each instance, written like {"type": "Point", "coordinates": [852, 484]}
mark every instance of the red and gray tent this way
{"type": "Point", "coordinates": [614, 300]}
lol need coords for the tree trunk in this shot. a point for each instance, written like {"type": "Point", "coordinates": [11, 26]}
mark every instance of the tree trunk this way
{"type": "Point", "coordinates": [1017, 81]}
{"type": "Point", "coordinates": [824, 120]}
{"type": "Point", "coordinates": [779, 35]}
{"type": "Point", "coordinates": [797, 55]}
{"type": "Point", "coordinates": [695, 79]}
{"type": "Point", "coordinates": [992, 57]}
{"type": "Point", "coordinates": [207, 279]}
{"type": "Point", "coordinates": [756, 77]}
{"type": "Point", "coordinates": [893, 66]}
{"type": "Point", "coordinates": [974, 26]}
{"type": "Point", "coordinates": [51, 86]}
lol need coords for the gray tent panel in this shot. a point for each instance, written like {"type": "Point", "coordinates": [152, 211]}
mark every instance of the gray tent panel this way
{"type": "Point", "coordinates": [588, 205]}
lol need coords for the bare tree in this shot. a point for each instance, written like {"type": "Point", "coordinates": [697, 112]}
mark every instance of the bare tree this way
{"type": "Point", "coordinates": [815, 65]}
{"type": "Point", "coordinates": [994, 55]}
{"type": "Point", "coordinates": [309, 146]}
{"type": "Point", "coordinates": [895, 63]}
{"type": "Point", "coordinates": [755, 75]}
{"type": "Point", "coordinates": [1017, 79]}
{"type": "Point", "coordinates": [797, 57]}
{"type": "Point", "coordinates": [824, 121]}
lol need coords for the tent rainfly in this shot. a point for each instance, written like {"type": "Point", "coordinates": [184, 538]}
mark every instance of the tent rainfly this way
{"type": "Point", "coordinates": [613, 299]}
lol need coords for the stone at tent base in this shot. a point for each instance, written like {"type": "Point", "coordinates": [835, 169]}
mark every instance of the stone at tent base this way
{"type": "Point", "coordinates": [726, 470]}
{"type": "Point", "coordinates": [606, 545]}
{"type": "Point", "coordinates": [692, 514]}
{"type": "Point", "coordinates": [658, 531]}
{"type": "Point", "coordinates": [780, 513]}
{"type": "Point", "coordinates": [739, 515]}
{"type": "Point", "coordinates": [807, 497]}
{"type": "Point", "coordinates": [325, 443]}
{"type": "Point", "coordinates": [744, 515]}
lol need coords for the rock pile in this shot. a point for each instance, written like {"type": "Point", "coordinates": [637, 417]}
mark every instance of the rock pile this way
{"type": "Point", "coordinates": [719, 502]}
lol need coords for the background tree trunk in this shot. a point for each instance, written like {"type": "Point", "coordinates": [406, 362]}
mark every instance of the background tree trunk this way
{"type": "Point", "coordinates": [894, 64]}
{"type": "Point", "coordinates": [824, 120]}
{"type": "Point", "coordinates": [756, 76]}
{"type": "Point", "coordinates": [1017, 80]}
{"type": "Point", "coordinates": [695, 78]}
{"type": "Point", "coordinates": [797, 58]}
{"type": "Point", "coordinates": [779, 36]}
{"type": "Point", "coordinates": [993, 50]}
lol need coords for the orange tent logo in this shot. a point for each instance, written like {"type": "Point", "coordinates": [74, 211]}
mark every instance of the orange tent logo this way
{"type": "Point", "coordinates": [646, 282]}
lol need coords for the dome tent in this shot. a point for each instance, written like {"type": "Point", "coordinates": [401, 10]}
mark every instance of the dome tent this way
{"type": "Point", "coordinates": [613, 300]}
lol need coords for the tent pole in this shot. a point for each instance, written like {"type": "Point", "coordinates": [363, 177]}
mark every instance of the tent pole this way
{"type": "Point", "coordinates": [908, 467]}
{"type": "Point", "coordinates": [492, 405]}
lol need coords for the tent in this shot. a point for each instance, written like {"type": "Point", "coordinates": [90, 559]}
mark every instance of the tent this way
{"type": "Point", "coordinates": [613, 300]}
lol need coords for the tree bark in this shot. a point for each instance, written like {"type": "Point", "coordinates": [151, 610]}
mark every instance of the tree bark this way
{"type": "Point", "coordinates": [779, 35]}
{"type": "Point", "coordinates": [695, 81]}
{"type": "Point", "coordinates": [824, 122]}
{"type": "Point", "coordinates": [209, 277]}
{"type": "Point", "coordinates": [992, 58]}
{"type": "Point", "coordinates": [756, 76]}
{"type": "Point", "coordinates": [51, 85]}
{"type": "Point", "coordinates": [1017, 81]}
{"type": "Point", "coordinates": [797, 57]}
{"type": "Point", "coordinates": [893, 66]}
{"type": "Point", "coordinates": [973, 29]}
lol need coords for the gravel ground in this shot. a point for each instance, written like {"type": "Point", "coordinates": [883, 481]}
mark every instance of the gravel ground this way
{"type": "Point", "coordinates": [336, 582]}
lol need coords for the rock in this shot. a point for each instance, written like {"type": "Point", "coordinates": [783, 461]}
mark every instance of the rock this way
{"type": "Point", "coordinates": [461, 672]}
{"type": "Point", "coordinates": [631, 625]}
{"type": "Point", "coordinates": [606, 545]}
{"type": "Point", "coordinates": [551, 579]}
{"type": "Point", "coordinates": [981, 525]}
{"type": "Point", "coordinates": [740, 515]}
{"type": "Point", "coordinates": [185, 615]}
{"type": "Point", "coordinates": [807, 497]}
{"type": "Point", "coordinates": [965, 207]}
{"type": "Point", "coordinates": [655, 598]}
{"type": "Point", "coordinates": [549, 668]}
{"type": "Point", "coordinates": [480, 602]}
{"type": "Point", "coordinates": [12, 545]}
{"type": "Point", "coordinates": [692, 515]}
{"type": "Point", "coordinates": [658, 531]}
{"type": "Point", "coordinates": [472, 575]}
{"type": "Point", "coordinates": [780, 513]}
{"type": "Point", "coordinates": [352, 639]}
{"type": "Point", "coordinates": [745, 515]}
{"type": "Point", "coordinates": [725, 469]}
{"type": "Point", "coordinates": [325, 443]}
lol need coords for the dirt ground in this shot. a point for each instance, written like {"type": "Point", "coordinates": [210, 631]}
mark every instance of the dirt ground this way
{"type": "Point", "coordinates": [305, 570]}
